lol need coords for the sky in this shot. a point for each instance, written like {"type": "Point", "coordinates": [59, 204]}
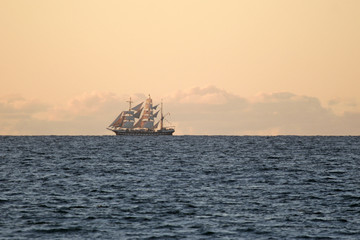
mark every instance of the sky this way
{"type": "Point", "coordinates": [234, 67]}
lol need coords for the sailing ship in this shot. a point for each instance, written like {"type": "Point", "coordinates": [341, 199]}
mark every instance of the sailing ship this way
{"type": "Point", "coordinates": [140, 120]}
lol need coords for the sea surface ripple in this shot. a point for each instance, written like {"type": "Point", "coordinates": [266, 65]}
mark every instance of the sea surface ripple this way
{"type": "Point", "coordinates": [179, 187]}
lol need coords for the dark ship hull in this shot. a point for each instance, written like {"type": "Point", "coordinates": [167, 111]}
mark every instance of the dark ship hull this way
{"type": "Point", "coordinates": [144, 132]}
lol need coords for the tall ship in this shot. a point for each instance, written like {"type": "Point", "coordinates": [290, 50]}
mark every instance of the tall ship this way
{"type": "Point", "coordinates": [142, 120]}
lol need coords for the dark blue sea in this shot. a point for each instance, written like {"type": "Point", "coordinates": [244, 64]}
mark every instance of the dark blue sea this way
{"type": "Point", "coordinates": [179, 187]}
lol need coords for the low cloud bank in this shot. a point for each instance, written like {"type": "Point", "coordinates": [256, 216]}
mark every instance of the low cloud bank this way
{"type": "Point", "coordinates": [214, 111]}
{"type": "Point", "coordinates": [86, 114]}
{"type": "Point", "coordinates": [208, 110]}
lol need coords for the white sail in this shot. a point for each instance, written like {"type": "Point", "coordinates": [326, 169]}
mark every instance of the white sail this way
{"type": "Point", "coordinates": [148, 124]}
{"type": "Point", "coordinates": [137, 114]}
{"type": "Point", "coordinates": [156, 125]}
{"type": "Point", "coordinates": [148, 106]}
{"type": "Point", "coordinates": [129, 117]}
{"type": "Point", "coordinates": [128, 124]}
{"type": "Point", "coordinates": [137, 107]}
{"type": "Point", "coordinates": [118, 121]}
{"type": "Point", "coordinates": [138, 124]}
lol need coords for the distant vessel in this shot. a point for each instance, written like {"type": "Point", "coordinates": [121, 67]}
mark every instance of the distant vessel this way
{"type": "Point", "coordinates": [140, 120]}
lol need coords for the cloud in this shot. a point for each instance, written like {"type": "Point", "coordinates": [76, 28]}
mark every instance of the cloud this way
{"type": "Point", "coordinates": [341, 105]}
{"type": "Point", "coordinates": [267, 114]}
{"type": "Point", "coordinates": [206, 110]}
{"type": "Point", "coordinates": [88, 113]}
{"type": "Point", "coordinates": [16, 112]}
{"type": "Point", "coordinates": [86, 104]}
{"type": "Point", "coordinates": [14, 106]}
{"type": "Point", "coordinates": [209, 95]}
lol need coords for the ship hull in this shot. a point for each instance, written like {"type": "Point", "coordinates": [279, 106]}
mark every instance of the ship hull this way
{"type": "Point", "coordinates": [144, 133]}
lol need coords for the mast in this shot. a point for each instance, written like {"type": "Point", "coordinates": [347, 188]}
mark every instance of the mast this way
{"type": "Point", "coordinates": [128, 119]}
{"type": "Point", "coordinates": [129, 104]}
{"type": "Point", "coordinates": [162, 116]}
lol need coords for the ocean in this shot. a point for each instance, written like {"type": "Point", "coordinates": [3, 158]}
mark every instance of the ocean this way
{"type": "Point", "coordinates": [179, 187]}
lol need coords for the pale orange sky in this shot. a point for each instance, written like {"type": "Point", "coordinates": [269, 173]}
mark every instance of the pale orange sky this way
{"type": "Point", "coordinates": [55, 51]}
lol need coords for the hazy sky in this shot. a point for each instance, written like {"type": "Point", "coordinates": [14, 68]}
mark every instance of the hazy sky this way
{"type": "Point", "coordinates": [222, 67]}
